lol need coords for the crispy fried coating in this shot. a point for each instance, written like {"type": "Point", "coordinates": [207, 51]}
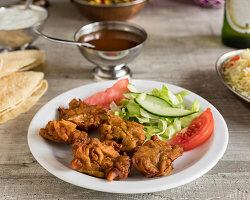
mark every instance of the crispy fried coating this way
{"type": "Point", "coordinates": [100, 159]}
{"type": "Point", "coordinates": [62, 132]}
{"type": "Point", "coordinates": [120, 169]}
{"type": "Point", "coordinates": [155, 157]}
{"type": "Point", "coordinates": [86, 117]}
{"type": "Point", "coordinates": [129, 134]}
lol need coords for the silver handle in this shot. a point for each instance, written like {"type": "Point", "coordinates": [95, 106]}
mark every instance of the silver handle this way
{"type": "Point", "coordinates": [64, 41]}
{"type": "Point", "coordinates": [27, 4]}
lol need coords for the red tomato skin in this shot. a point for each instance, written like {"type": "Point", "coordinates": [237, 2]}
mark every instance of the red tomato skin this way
{"type": "Point", "coordinates": [191, 137]}
{"type": "Point", "coordinates": [117, 90]}
{"type": "Point", "coordinates": [235, 58]}
{"type": "Point", "coordinates": [100, 98]}
{"type": "Point", "coordinates": [114, 93]}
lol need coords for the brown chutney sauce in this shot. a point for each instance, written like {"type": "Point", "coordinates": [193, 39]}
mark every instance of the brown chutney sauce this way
{"type": "Point", "coordinates": [112, 40]}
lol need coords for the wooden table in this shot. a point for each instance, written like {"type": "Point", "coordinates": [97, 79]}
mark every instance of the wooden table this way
{"type": "Point", "coordinates": [183, 45]}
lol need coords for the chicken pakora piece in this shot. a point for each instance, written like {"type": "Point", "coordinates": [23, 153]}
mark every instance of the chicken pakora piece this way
{"type": "Point", "coordinates": [100, 159]}
{"type": "Point", "coordinates": [129, 134]}
{"type": "Point", "coordinates": [62, 132]}
{"type": "Point", "coordinates": [86, 117]}
{"type": "Point", "coordinates": [155, 157]}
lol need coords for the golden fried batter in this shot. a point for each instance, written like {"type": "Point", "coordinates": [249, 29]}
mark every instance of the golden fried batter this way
{"type": "Point", "coordinates": [86, 117]}
{"type": "Point", "coordinates": [62, 132]}
{"type": "Point", "coordinates": [129, 134]}
{"type": "Point", "coordinates": [100, 159]}
{"type": "Point", "coordinates": [120, 168]}
{"type": "Point", "coordinates": [155, 157]}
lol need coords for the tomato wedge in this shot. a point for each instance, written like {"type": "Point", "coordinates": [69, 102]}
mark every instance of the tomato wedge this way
{"type": "Point", "coordinates": [200, 129]}
{"type": "Point", "coordinates": [100, 98]}
{"type": "Point", "coordinates": [114, 93]}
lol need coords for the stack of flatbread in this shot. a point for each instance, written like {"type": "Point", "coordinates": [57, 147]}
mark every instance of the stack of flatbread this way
{"type": "Point", "coordinates": [20, 89]}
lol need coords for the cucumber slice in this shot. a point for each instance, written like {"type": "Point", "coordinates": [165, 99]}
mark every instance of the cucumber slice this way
{"type": "Point", "coordinates": [132, 88]}
{"type": "Point", "coordinates": [131, 95]}
{"type": "Point", "coordinates": [160, 107]}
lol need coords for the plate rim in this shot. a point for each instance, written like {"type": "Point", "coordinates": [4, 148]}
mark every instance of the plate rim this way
{"type": "Point", "coordinates": [183, 181]}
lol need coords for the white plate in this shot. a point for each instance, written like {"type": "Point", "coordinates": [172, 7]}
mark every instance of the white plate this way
{"type": "Point", "coordinates": [56, 157]}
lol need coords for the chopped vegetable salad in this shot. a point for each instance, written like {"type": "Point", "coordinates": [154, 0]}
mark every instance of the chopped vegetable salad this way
{"type": "Point", "coordinates": [161, 112]}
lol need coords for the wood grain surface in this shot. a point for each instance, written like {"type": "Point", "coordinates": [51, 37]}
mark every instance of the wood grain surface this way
{"type": "Point", "coordinates": [183, 45]}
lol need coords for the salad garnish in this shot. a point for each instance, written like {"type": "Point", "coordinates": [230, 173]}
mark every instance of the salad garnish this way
{"type": "Point", "coordinates": [161, 112]}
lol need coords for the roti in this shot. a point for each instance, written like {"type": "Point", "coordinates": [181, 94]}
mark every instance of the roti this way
{"type": "Point", "coordinates": [18, 86]}
{"type": "Point", "coordinates": [25, 104]}
{"type": "Point", "coordinates": [1, 63]}
{"type": "Point", "coordinates": [20, 60]}
{"type": "Point", "coordinates": [11, 107]}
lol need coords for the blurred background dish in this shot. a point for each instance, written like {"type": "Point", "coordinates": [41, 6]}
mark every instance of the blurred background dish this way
{"type": "Point", "coordinates": [210, 3]}
{"type": "Point", "coordinates": [107, 2]}
{"type": "Point", "coordinates": [112, 11]}
{"type": "Point", "coordinates": [17, 26]}
{"type": "Point", "coordinates": [220, 71]}
{"type": "Point", "coordinates": [43, 3]}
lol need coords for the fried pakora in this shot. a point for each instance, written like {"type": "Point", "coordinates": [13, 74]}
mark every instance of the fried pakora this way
{"type": "Point", "coordinates": [129, 134]}
{"type": "Point", "coordinates": [62, 132]}
{"type": "Point", "coordinates": [100, 159]}
{"type": "Point", "coordinates": [86, 117]}
{"type": "Point", "coordinates": [155, 157]}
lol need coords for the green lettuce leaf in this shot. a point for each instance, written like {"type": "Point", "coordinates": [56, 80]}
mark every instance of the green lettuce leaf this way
{"type": "Point", "coordinates": [172, 129]}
